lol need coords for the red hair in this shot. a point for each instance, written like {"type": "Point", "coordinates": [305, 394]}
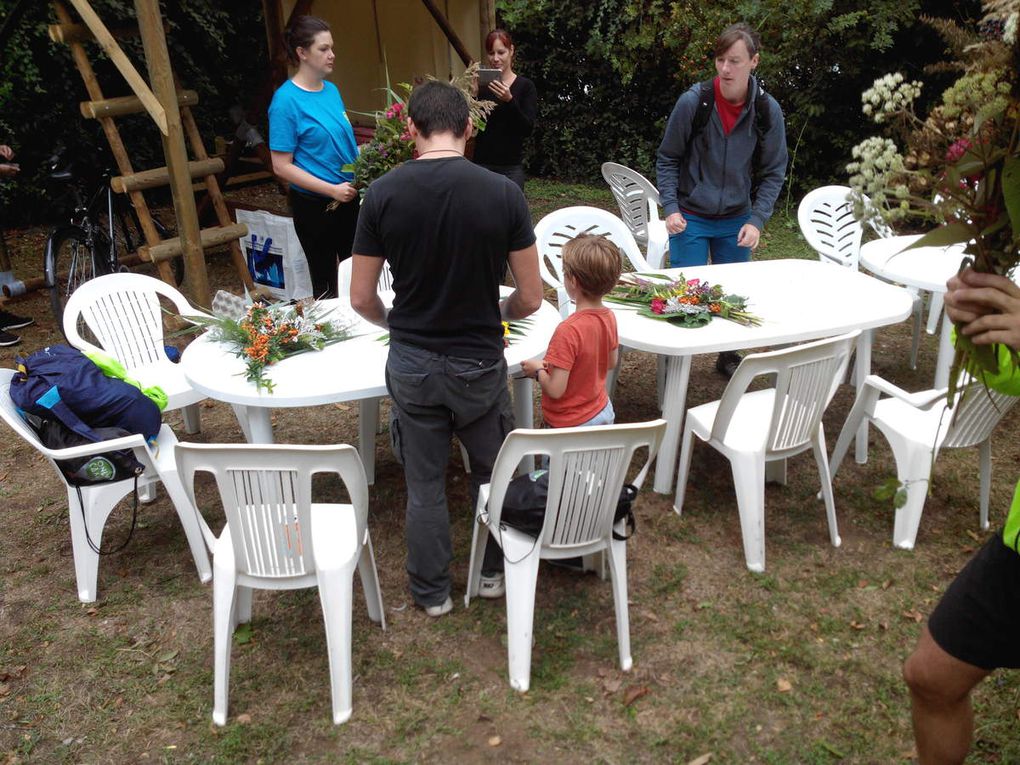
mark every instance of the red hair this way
{"type": "Point", "coordinates": [498, 34]}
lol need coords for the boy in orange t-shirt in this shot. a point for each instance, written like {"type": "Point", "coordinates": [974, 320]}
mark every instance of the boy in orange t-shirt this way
{"type": "Point", "coordinates": [584, 346]}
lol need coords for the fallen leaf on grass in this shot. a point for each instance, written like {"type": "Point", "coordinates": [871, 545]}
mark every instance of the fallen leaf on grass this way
{"type": "Point", "coordinates": [12, 673]}
{"type": "Point", "coordinates": [484, 718]}
{"type": "Point", "coordinates": [783, 685]}
{"type": "Point", "coordinates": [342, 407]}
{"type": "Point", "coordinates": [973, 536]}
{"type": "Point", "coordinates": [611, 686]}
{"type": "Point", "coordinates": [634, 693]}
{"type": "Point", "coordinates": [244, 719]}
{"type": "Point", "coordinates": [914, 615]}
{"type": "Point", "coordinates": [706, 757]}
{"type": "Point", "coordinates": [857, 625]}
{"type": "Point", "coordinates": [495, 741]}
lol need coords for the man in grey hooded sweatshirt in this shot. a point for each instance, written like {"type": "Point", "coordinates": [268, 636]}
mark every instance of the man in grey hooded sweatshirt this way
{"type": "Point", "coordinates": [721, 162]}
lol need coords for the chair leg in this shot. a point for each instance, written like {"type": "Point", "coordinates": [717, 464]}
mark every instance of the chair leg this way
{"type": "Point", "coordinates": [521, 580]}
{"type": "Point", "coordinates": [618, 569]}
{"type": "Point", "coordinates": [913, 469]}
{"type": "Point", "coordinates": [935, 305]}
{"type": "Point", "coordinates": [479, 538]}
{"type": "Point", "coordinates": [863, 406]}
{"type": "Point", "coordinates": [191, 522]}
{"type": "Point", "coordinates": [192, 417]}
{"type": "Point", "coordinates": [336, 592]}
{"type": "Point", "coordinates": [88, 523]}
{"type": "Point", "coordinates": [683, 470]}
{"type": "Point", "coordinates": [368, 424]}
{"type": "Point", "coordinates": [749, 482]}
{"type": "Point", "coordinates": [224, 595]}
{"type": "Point", "coordinates": [370, 583]}
{"type": "Point", "coordinates": [985, 451]}
{"type": "Point", "coordinates": [242, 606]}
{"type": "Point", "coordinates": [660, 380]}
{"type": "Point", "coordinates": [818, 447]}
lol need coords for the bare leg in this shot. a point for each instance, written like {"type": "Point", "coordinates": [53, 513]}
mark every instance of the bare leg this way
{"type": "Point", "coordinates": [940, 687]}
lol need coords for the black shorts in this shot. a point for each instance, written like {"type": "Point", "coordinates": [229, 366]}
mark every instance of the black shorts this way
{"type": "Point", "coordinates": [978, 619]}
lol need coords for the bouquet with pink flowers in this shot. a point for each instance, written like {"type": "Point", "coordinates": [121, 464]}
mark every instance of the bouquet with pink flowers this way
{"type": "Point", "coordinates": [684, 302]}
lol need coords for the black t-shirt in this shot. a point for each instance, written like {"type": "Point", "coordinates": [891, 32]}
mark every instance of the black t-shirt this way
{"type": "Point", "coordinates": [502, 141]}
{"type": "Point", "coordinates": [445, 226]}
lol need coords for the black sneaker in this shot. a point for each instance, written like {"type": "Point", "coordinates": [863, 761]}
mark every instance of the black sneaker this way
{"type": "Point", "coordinates": [727, 362]}
{"type": "Point", "coordinates": [9, 320]}
{"type": "Point", "coordinates": [6, 338]}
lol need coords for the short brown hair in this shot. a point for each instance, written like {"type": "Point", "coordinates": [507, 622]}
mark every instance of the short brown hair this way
{"type": "Point", "coordinates": [593, 262]}
{"type": "Point", "coordinates": [734, 32]}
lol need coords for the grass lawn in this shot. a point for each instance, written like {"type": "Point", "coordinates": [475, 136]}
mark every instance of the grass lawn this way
{"type": "Point", "coordinates": [800, 664]}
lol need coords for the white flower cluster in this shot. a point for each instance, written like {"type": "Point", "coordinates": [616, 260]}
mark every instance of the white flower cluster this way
{"type": "Point", "coordinates": [1009, 30]}
{"type": "Point", "coordinates": [673, 305]}
{"type": "Point", "coordinates": [876, 159]}
{"type": "Point", "coordinates": [888, 95]}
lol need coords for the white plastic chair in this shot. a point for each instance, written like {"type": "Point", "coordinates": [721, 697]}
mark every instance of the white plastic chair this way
{"type": "Point", "coordinates": [123, 312]}
{"type": "Point", "coordinates": [917, 426]}
{"type": "Point", "coordinates": [753, 428]}
{"type": "Point", "coordinates": [276, 538]}
{"type": "Point", "coordinates": [560, 226]}
{"type": "Point", "coordinates": [88, 516]}
{"type": "Point", "coordinates": [827, 221]}
{"type": "Point", "coordinates": [638, 200]}
{"type": "Point", "coordinates": [343, 277]}
{"type": "Point", "coordinates": [587, 469]}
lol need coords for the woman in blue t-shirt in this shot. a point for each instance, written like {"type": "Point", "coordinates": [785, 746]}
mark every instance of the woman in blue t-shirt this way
{"type": "Point", "coordinates": [311, 138]}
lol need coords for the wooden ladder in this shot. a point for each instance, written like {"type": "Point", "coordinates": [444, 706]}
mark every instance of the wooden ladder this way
{"type": "Point", "coordinates": [133, 183]}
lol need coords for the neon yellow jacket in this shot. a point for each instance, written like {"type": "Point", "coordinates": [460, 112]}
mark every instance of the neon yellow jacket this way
{"type": "Point", "coordinates": [1007, 380]}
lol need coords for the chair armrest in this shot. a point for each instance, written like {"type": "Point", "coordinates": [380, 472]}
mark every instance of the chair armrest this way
{"type": "Point", "coordinates": [924, 399]}
{"type": "Point", "coordinates": [87, 450]}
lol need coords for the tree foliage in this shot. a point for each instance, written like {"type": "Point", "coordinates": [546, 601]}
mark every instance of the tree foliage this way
{"type": "Point", "coordinates": [609, 71]}
{"type": "Point", "coordinates": [217, 48]}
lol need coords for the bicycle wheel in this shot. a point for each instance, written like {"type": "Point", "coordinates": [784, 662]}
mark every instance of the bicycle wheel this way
{"type": "Point", "coordinates": [70, 261]}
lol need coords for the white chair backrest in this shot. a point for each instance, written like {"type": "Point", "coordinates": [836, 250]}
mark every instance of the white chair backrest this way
{"type": "Point", "coordinates": [123, 312]}
{"type": "Point", "coordinates": [266, 491]}
{"type": "Point", "coordinates": [343, 274]}
{"type": "Point", "coordinates": [975, 415]}
{"type": "Point", "coordinates": [637, 198]}
{"type": "Point", "coordinates": [826, 218]}
{"type": "Point", "coordinates": [875, 220]}
{"type": "Point", "coordinates": [587, 468]}
{"type": "Point", "coordinates": [806, 380]}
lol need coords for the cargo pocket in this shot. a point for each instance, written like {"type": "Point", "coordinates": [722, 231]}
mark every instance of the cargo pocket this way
{"type": "Point", "coordinates": [396, 440]}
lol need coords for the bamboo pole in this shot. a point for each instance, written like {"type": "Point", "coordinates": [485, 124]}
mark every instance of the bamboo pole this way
{"type": "Point", "coordinates": [449, 31]}
{"type": "Point", "coordinates": [157, 59]}
{"type": "Point", "coordinates": [123, 63]}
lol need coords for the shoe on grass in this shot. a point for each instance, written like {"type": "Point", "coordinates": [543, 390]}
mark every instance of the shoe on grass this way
{"type": "Point", "coordinates": [6, 338]}
{"type": "Point", "coordinates": [440, 610]}
{"type": "Point", "coordinates": [727, 362]}
{"type": "Point", "coordinates": [492, 586]}
{"type": "Point", "coordinates": [9, 320]}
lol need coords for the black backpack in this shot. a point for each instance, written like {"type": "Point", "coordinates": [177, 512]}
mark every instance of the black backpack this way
{"type": "Point", "coordinates": [525, 500]}
{"type": "Point", "coordinates": [762, 122]}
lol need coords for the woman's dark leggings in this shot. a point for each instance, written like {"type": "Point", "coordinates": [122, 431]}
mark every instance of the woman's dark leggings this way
{"type": "Point", "coordinates": [325, 235]}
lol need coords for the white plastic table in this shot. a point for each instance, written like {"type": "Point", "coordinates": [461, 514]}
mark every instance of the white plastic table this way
{"type": "Point", "coordinates": [797, 299]}
{"type": "Point", "coordinates": [926, 268]}
{"type": "Point", "coordinates": [353, 370]}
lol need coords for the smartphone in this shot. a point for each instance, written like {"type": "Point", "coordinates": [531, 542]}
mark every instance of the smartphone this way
{"type": "Point", "coordinates": [485, 77]}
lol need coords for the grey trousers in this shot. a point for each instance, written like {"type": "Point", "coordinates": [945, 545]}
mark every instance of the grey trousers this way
{"type": "Point", "coordinates": [435, 396]}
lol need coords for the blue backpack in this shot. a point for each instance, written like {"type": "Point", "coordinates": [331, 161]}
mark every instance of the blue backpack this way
{"type": "Point", "coordinates": [69, 400]}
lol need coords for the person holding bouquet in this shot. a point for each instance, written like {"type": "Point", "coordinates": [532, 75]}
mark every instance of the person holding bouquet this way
{"type": "Point", "coordinates": [500, 147]}
{"type": "Point", "coordinates": [975, 628]}
{"type": "Point", "coordinates": [311, 138]}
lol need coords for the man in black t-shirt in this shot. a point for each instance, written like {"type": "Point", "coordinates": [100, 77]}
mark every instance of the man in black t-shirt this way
{"type": "Point", "coordinates": [448, 229]}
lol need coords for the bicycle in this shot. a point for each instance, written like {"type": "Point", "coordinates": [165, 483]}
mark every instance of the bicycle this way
{"type": "Point", "coordinates": [96, 235]}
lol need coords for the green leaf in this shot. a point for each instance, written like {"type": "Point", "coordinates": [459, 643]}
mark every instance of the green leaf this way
{"type": "Point", "coordinates": [951, 233]}
{"type": "Point", "coordinates": [1011, 191]}
{"type": "Point", "coordinates": [243, 634]}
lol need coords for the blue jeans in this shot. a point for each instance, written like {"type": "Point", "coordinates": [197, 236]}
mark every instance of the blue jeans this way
{"type": "Point", "coordinates": [691, 247]}
{"type": "Point", "coordinates": [607, 416]}
{"type": "Point", "coordinates": [435, 396]}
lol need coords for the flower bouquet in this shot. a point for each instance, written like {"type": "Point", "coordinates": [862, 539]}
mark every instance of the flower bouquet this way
{"type": "Point", "coordinates": [392, 144]}
{"type": "Point", "coordinates": [684, 302]}
{"type": "Point", "coordinates": [269, 332]}
{"type": "Point", "coordinates": [958, 166]}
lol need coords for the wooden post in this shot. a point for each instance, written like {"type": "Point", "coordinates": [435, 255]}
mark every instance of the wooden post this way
{"type": "Point", "coordinates": [448, 30]}
{"type": "Point", "coordinates": [122, 62]}
{"type": "Point", "coordinates": [157, 59]}
{"type": "Point", "coordinates": [487, 20]}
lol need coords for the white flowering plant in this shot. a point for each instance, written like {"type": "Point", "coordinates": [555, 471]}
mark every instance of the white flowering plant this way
{"type": "Point", "coordinates": [959, 166]}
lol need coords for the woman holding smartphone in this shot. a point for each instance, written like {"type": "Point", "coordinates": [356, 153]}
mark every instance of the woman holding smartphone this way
{"type": "Point", "coordinates": [311, 138]}
{"type": "Point", "coordinates": [500, 147]}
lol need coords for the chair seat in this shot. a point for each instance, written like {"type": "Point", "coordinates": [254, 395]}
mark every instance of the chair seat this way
{"type": "Point", "coordinates": [170, 377]}
{"type": "Point", "coordinates": [750, 424]}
